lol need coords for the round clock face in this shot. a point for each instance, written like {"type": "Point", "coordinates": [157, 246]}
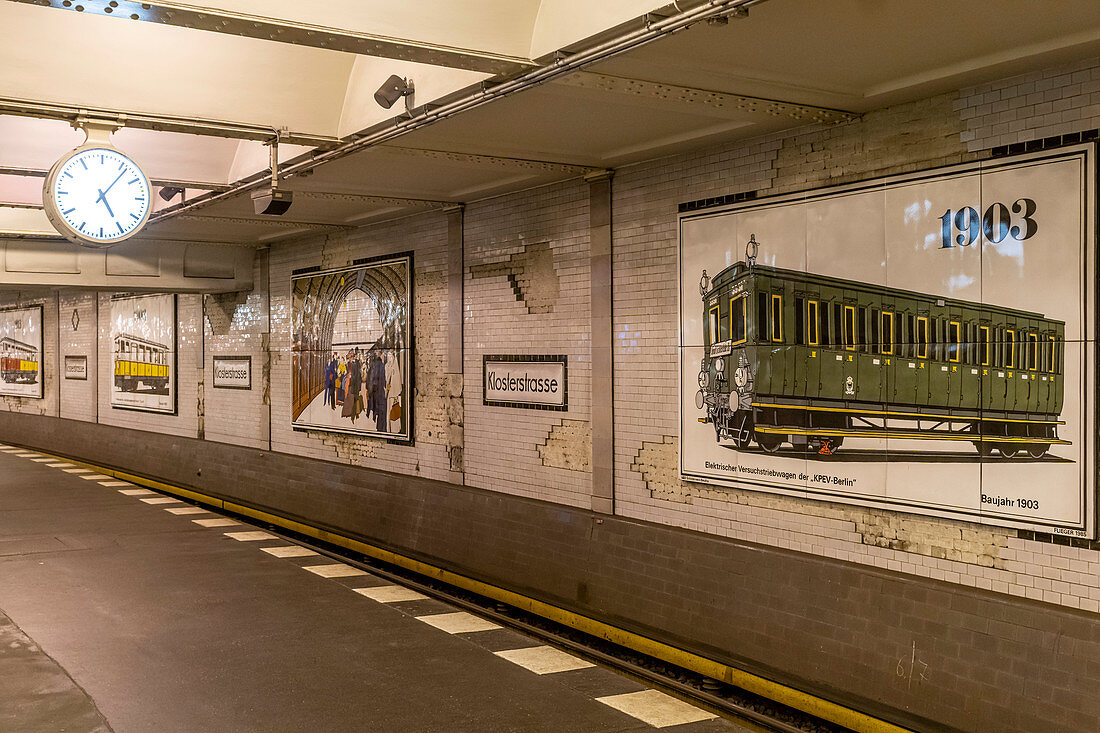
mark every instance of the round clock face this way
{"type": "Point", "coordinates": [97, 195]}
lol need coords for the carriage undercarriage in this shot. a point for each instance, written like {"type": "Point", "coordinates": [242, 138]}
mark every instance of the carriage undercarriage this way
{"type": "Point", "coordinates": [822, 430]}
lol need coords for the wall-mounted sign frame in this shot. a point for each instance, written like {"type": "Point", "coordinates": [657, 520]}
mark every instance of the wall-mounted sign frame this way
{"type": "Point", "coordinates": [530, 381]}
{"type": "Point", "coordinates": [232, 372]}
{"type": "Point", "coordinates": [923, 342]}
{"type": "Point", "coordinates": [143, 353]}
{"type": "Point", "coordinates": [352, 354]}
{"type": "Point", "coordinates": [76, 367]}
{"type": "Point", "coordinates": [21, 354]}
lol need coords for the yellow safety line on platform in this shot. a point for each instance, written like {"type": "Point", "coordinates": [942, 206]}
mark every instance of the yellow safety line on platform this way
{"type": "Point", "coordinates": [928, 416]}
{"type": "Point", "coordinates": [789, 696]}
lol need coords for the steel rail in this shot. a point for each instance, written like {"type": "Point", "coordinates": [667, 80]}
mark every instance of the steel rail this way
{"type": "Point", "coordinates": [654, 27]}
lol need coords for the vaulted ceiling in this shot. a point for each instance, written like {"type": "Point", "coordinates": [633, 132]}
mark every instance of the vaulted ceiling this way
{"type": "Point", "coordinates": [508, 93]}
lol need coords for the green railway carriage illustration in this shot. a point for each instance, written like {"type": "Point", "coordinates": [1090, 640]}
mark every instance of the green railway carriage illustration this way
{"type": "Point", "coordinates": [798, 360]}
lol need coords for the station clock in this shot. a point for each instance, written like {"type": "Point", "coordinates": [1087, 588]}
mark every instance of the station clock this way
{"type": "Point", "coordinates": [96, 195]}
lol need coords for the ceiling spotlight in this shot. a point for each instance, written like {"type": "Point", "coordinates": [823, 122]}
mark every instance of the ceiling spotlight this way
{"type": "Point", "coordinates": [392, 90]}
{"type": "Point", "coordinates": [169, 192]}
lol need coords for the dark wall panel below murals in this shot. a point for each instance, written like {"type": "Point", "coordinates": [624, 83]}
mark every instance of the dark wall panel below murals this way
{"type": "Point", "coordinates": [920, 652]}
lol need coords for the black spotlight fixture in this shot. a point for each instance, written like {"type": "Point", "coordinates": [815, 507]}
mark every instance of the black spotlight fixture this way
{"type": "Point", "coordinates": [392, 90]}
{"type": "Point", "coordinates": [169, 192]}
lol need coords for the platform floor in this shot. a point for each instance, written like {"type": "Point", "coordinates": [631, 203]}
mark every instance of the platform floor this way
{"type": "Point", "coordinates": [124, 610]}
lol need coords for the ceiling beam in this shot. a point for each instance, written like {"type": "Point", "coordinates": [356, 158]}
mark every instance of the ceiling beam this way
{"type": "Point", "coordinates": [704, 99]}
{"type": "Point", "coordinates": [372, 199]}
{"type": "Point", "coordinates": [7, 170]}
{"type": "Point", "coordinates": [302, 34]}
{"type": "Point", "coordinates": [496, 161]}
{"type": "Point", "coordinates": [76, 115]}
{"type": "Point", "coordinates": [277, 223]}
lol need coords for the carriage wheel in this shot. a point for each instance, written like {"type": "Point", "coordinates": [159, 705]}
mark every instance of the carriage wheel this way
{"type": "Point", "coordinates": [1008, 450]}
{"type": "Point", "coordinates": [1039, 450]}
{"type": "Point", "coordinates": [769, 442]}
{"type": "Point", "coordinates": [984, 449]}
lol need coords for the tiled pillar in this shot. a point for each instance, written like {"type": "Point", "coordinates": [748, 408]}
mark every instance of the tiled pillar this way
{"type": "Point", "coordinates": [603, 425]}
{"type": "Point", "coordinates": [455, 367]}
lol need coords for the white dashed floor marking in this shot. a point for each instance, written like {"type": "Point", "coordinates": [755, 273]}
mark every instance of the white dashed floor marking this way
{"type": "Point", "coordinates": [27, 454]}
{"type": "Point", "coordinates": [289, 551]}
{"type": "Point", "coordinates": [77, 470]}
{"type": "Point", "coordinates": [391, 594]}
{"type": "Point", "coordinates": [60, 465]}
{"type": "Point", "coordinates": [186, 510]}
{"type": "Point", "coordinates": [338, 570]}
{"type": "Point", "coordinates": [251, 536]}
{"type": "Point", "coordinates": [136, 492]}
{"type": "Point", "coordinates": [656, 708]}
{"type": "Point", "coordinates": [219, 522]}
{"type": "Point", "coordinates": [115, 483]}
{"type": "Point", "coordinates": [43, 460]}
{"type": "Point", "coordinates": [544, 659]}
{"type": "Point", "coordinates": [94, 477]}
{"type": "Point", "coordinates": [459, 622]}
{"type": "Point", "coordinates": [161, 500]}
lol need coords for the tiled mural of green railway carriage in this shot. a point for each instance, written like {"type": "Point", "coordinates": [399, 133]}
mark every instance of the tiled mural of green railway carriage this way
{"type": "Point", "coordinates": [792, 358]}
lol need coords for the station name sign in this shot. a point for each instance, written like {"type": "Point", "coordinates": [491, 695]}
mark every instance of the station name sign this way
{"type": "Point", "coordinates": [76, 367]}
{"type": "Point", "coordinates": [233, 372]}
{"type": "Point", "coordinates": [531, 381]}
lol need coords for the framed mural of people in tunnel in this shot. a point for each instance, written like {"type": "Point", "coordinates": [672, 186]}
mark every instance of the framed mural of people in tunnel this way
{"type": "Point", "coordinates": [352, 352]}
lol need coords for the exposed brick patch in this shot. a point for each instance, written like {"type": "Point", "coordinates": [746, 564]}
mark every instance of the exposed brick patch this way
{"type": "Point", "coordinates": [568, 445]}
{"type": "Point", "coordinates": [658, 462]}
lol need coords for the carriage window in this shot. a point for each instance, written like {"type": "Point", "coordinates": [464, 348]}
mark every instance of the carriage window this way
{"type": "Point", "coordinates": [714, 325]}
{"type": "Point", "coordinates": [849, 328]}
{"type": "Point", "coordinates": [1032, 349]}
{"type": "Point", "coordinates": [968, 344]}
{"type": "Point", "coordinates": [887, 332]}
{"type": "Point", "coordinates": [1010, 348]}
{"type": "Point", "coordinates": [762, 317]}
{"type": "Point", "coordinates": [1052, 350]}
{"type": "Point", "coordinates": [876, 318]}
{"type": "Point", "coordinates": [838, 325]}
{"type": "Point", "coordinates": [922, 337]}
{"type": "Point", "coordinates": [738, 319]}
{"type": "Point", "coordinates": [862, 328]}
{"type": "Point", "coordinates": [983, 345]}
{"type": "Point", "coordinates": [812, 323]}
{"type": "Point", "coordinates": [953, 341]}
{"type": "Point", "coordinates": [799, 322]}
{"type": "Point", "coordinates": [777, 318]}
{"type": "Point", "coordinates": [823, 324]}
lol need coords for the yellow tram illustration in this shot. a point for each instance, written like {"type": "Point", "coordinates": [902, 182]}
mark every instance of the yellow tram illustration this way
{"type": "Point", "coordinates": [141, 365]}
{"type": "Point", "coordinates": [18, 362]}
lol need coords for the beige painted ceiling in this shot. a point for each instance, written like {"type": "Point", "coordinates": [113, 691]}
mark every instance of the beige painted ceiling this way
{"type": "Point", "coordinates": [789, 62]}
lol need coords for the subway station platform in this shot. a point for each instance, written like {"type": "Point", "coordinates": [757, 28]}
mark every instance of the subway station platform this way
{"type": "Point", "coordinates": [129, 611]}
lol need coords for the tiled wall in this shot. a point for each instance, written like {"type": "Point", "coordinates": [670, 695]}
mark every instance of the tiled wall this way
{"type": "Point", "coordinates": [527, 292]}
{"type": "Point", "coordinates": [526, 288]}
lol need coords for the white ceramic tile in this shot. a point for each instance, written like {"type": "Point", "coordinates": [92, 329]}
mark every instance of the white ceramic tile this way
{"type": "Point", "coordinates": [544, 659]}
{"type": "Point", "coordinates": [458, 622]}
{"type": "Point", "coordinates": [219, 522]}
{"type": "Point", "coordinates": [95, 477]}
{"type": "Point", "coordinates": [656, 708]}
{"type": "Point", "coordinates": [338, 570]}
{"type": "Point", "coordinates": [186, 510]}
{"type": "Point", "coordinates": [289, 551]}
{"type": "Point", "coordinates": [391, 594]}
{"type": "Point", "coordinates": [251, 536]}
{"type": "Point", "coordinates": [115, 483]}
{"type": "Point", "coordinates": [136, 492]}
{"type": "Point", "coordinates": [161, 500]}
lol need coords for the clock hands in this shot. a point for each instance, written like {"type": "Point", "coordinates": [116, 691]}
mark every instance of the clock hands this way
{"type": "Point", "coordinates": [103, 194]}
{"type": "Point", "coordinates": [104, 200]}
